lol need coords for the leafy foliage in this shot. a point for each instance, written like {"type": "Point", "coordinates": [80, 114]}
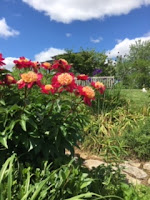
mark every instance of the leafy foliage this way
{"type": "Point", "coordinates": [103, 135]}
{"type": "Point", "coordinates": [134, 70]}
{"type": "Point", "coordinates": [86, 61]}
{"type": "Point", "coordinates": [70, 181]}
{"type": "Point", "coordinates": [40, 130]}
{"type": "Point", "coordinates": [110, 100]}
{"type": "Point", "coordinates": [138, 140]}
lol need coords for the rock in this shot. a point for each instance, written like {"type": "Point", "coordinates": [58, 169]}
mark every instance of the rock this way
{"type": "Point", "coordinates": [90, 163]}
{"type": "Point", "coordinates": [148, 181]}
{"type": "Point", "coordinates": [146, 166]}
{"type": "Point", "coordinates": [136, 172]}
{"type": "Point", "coordinates": [132, 180]}
{"type": "Point", "coordinates": [135, 164]}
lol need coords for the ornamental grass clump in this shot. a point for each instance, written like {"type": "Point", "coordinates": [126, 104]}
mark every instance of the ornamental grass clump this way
{"type": "Point", "coordinates": [42, 110]}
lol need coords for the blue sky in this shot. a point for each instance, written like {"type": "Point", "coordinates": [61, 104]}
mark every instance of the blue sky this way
{"type": "Point", "coordinates": [39, 29]}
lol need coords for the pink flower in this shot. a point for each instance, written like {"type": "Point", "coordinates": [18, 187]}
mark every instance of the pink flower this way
{"type": "Point", "coordinates": [46, 65]}
{"type": "Point", "coordinates": [23, 63]}
{"type": "Point", "coordinates": [82, 77]}
{"type": "Point", "coordinates": [29, 79]}
{"type": "Point", "coordinates": [9, 80]}
{"type": "Point", "coordinates": [47, 89]}
{"type": "Point", "coordinates": [99, 86]}
{"type": "Point", "coordinates": [1, 60]}
{"type": "Point", "coordinates": [87, 93]}
{"type": "Point", "coordinates": [61, 65]}
{"type": "Point", "coordinates": [64, 81]}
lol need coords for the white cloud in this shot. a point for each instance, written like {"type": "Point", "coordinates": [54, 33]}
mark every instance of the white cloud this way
{"type": "Point", "coordinates": [48, 54]}
{"type": "Point", "coordinates": [147, 34]}
{"type": "Point", "coordinates": [9, 63]}
{"type": "Point", "coordinates": [68, 34]}
{"type": "Point", "coordinates": [67, 11]}
{"type": "Point", "coordinates": [118, 40]}
{"type": "Point", "coordinates": [5, 30]}
{"type": "Point", "coordinates": [123, 46]}
{"type": "Point", "coordinates": [98, 40]}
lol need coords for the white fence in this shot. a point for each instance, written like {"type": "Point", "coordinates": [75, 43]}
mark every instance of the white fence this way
{"type": "Point", "coordinates": [108, 81]}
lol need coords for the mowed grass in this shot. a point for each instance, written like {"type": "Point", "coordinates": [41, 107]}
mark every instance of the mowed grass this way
{"type": "Point", "coordinates": [136, 98]}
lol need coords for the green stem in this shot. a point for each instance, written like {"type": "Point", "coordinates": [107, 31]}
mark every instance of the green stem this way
{"type": "Point", "coordinates": [71, 110]}
{"type": "Point", "coordinates": [98, 101]}
{"type": "Point", "coordinates": [25, 96]}
{"type": "Point", "coordinates": [53, 102]}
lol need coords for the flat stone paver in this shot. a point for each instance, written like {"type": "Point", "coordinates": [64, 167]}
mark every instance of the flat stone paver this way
{"type": "Point", "coordinates": [132, 180]}
{"type": "Point", "coordinates": [147, 166]}
{"type": "Point", "coordinates": [90, 163]}
{"type": "Point", "coordinates": [136, 172]}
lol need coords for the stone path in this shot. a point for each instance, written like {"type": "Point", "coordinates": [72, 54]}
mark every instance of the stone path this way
{"type": "Point", "coordinates": [136, 172]}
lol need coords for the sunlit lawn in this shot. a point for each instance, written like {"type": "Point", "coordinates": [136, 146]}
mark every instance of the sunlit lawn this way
{"type": "Point", "coordinates": [137, 98]}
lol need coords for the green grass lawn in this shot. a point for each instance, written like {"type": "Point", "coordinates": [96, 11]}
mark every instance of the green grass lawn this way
{"type": "Point", "coordinates": [137, 98]}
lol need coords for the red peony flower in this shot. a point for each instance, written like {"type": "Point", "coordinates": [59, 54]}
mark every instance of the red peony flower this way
{"type": "Point", "coordinates": [46, 65]}
{"type": "Point", "coordinates": [61, 65]}
{"type": "Point", "coordinates": [35, 66]}
{"type": "Point", "coordinates": [64, 81]}
{"type": "Point", "coordinates": [82, 77]}
{"type": "Point", "coordinates": [99, 86]}
{"type": "Point", "coordinates": [23, 63]}
{"type": "Point", "coordinates": [87, 93]}
{"type": "Point", "coordinates": [1, 60]}
{"type": "Point", "coordinates": [9, 80]}
{"type": "Point", "coordinates": [29, 79]}
{"type": "Point", "coordinates": [47, 89]}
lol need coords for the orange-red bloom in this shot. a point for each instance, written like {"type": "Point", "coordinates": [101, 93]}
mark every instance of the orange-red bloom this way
{"type": "Point", "coordinates": [61, 65]}
{"type": "Point", "coordinates": [28, 79]}
{"type": "Point", "coordinates": [35, 65]}
{"type": "Point", "coordinates": [87, 93]}
{"type": "Point", "coordinates": [82, 77]}
{"type": "Point", "coordinates": [9, 80]}
{"type": "Point", "coordinates": [99, 86]}
{"type": "Point", "coordinates": [47, 89]}
{"type": "Point", "coordinates": [46, 65]}
{"type": "Point", "coordinates": [23, 63]}
{"type": "Point", "coordinates": [1, 60]}
{"type": "Point", "coordinates": [64, 81]}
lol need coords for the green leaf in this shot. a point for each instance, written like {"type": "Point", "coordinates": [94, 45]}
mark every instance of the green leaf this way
{"type": "Point", "coordinates": [39, 188]}
{"type": "Point", "coordinates": [4, 168]}
{"type": "Point", "coordinates": [23, 121]}
{"type": "Point", "coordinates": [2, 102]}
{"type": "Point", "coordinates": [3, 139]}
{"type": "Point", "coordinates": [23, 125]}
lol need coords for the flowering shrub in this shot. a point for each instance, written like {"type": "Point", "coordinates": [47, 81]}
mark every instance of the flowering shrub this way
{"type": "Point", "coordinates": [42, 113]}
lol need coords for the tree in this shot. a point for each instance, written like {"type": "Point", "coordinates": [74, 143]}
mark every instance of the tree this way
{"type": "Point", "coordinates": [134, 69]}
{"type": "Point", "coordinates": [86, 61]}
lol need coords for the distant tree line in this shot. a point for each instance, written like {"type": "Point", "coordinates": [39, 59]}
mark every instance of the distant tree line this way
{"type": "Point", "coordinates": [132, 70]}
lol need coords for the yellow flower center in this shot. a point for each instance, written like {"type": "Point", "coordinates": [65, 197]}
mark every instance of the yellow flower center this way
{"type": "Point", "coordinates": [98, 85]}
{"type": "Point", "coordinates": [65, 61]}
{"type": "Point", "coordinates": [10, 79]}
{"type": "Point", "coordinates": [48, 87]}
{"type": "Point", "coordinates": [89, 92]}
{"type": "Point", "coordinates": [29, 77]}
{"type": "Point", "coordinates": [82, 75]}
{"type": "Point", "coordinates": [65, 79]}
{"type": "Point", "coordinates": [47, 65]}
